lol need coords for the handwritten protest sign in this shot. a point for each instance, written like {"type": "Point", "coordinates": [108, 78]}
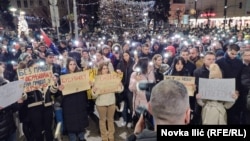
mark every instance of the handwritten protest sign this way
{"type": "Point", "coordinates": [35, 77]}
{"type": "Point", "coordinates": [188, 82]}
{"type": "Point", "coordinates": [107, 83]}
{"type": "Point", "coordinates": [11, 92]}
{"type": "Point", "coordinates": [75, 82]}
{"type": "Point", "coordinates": [217, 89]}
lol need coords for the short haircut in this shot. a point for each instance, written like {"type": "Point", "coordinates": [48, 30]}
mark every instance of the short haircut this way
{"type": "Point", "coordinates": [184, 50]}
{"type": "Point", "coordinates": [209, 53]}
{"type": "Point", "coordinates": [169, 100]}
{"type": "Point", "coordinates": [233, 47]}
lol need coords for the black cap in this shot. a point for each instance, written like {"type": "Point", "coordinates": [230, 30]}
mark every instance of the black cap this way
{"type": "Point", "coordinates": [50, 53]}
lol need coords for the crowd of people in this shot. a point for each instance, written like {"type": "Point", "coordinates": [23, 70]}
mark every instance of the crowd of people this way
{"type": "Point", "coordinates": [213, 53]}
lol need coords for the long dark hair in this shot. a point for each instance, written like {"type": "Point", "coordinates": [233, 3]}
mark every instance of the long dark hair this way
{"type": "Point", "coordinates": [69, 59]}
{"type": "Point", "coordinates": [173, 69]}
{"type": "Point", "coordinates": [143, 64]}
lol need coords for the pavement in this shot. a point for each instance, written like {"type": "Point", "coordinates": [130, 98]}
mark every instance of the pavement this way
{"type": "Point", "coordinates": [92, 134]}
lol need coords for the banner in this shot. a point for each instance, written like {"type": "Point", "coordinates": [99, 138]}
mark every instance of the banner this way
{"type": "Point", "coordinates": [35, 77]}
{"type": "Point", "coordinates": [75, 82]}
{"type": "Point", "coordinates": [10, 93]}
{"type": "Point", "coordinates": [188, 82]}
{"type": "Point", "coordinates": [217, 89]}
{"type": "Point", "coordinates": [107, 83]}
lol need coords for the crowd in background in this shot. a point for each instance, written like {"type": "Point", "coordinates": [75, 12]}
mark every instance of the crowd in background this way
{"type": "Point", "coordinates": [140, 57]}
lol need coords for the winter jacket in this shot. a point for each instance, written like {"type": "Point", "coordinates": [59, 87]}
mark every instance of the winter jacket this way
{"type": "Point", "coordinates": [145, 135]}
{"type": "Point", "coordinates": [127, 69]}
{"type": "Point", "coordinates": [34, 98]}
{"type": "Point", "coordinates": [7, 122]}
{"type": "Point", "coordinates": [139, 97]}
{"type": "Point", "coordinates": [214, 112]}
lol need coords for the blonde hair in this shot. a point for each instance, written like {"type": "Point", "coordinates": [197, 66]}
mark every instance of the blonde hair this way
{"type": "Point", "coordinates": [214, 71]}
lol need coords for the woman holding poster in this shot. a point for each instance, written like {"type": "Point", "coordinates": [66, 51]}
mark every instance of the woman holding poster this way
{"type": "Point", "coordinates": [74, 106]}
{"type": "Point", "coordinates": [105, 105]}
{"type": "Point", "coordinates": [214, 111]}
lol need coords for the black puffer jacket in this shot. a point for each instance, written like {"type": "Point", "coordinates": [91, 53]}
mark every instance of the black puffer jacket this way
{"type": "Point", "coordinates": [145, 135]}
{"type": "Point", "coordinates": [7, 122]}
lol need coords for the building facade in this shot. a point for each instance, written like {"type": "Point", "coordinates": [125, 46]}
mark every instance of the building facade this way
{"type": "Point", "coordinates": [40, 8]}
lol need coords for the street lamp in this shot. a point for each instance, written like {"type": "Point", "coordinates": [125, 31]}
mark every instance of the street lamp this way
{"type": "Point", "coordinates": [13, 10]}
{"type": "Point", "coordinates": [195, 8]}
{"type": "Point", "coordinates": [22, 13]}
{"type": "Point", "coordinates": [225, 13]}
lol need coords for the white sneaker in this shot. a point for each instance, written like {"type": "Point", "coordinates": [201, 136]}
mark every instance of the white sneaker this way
{"type": "Point", "coordinates": [121, 106]}
{"type": "Point", "coordinates": [129, 125]}
{"type": "Point", "coordinates": [124, 124]}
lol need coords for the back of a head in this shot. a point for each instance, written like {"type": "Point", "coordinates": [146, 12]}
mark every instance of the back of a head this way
{"type": "Point", "coordinates": [214, 72]}
{"type": "Point", "coordinates": [169, 102]}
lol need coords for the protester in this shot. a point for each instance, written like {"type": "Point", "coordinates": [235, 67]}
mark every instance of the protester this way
{"type": "Point", "coordinates": [75, 121]}
{"type": "Point", "coordinates": [202, 72]}
{"type": "Point", "coordinates": [125, 66]}
{"type": "Point", "coordinates": [143, 73]}
{"type": "Point", "coordinates": [214, 108]}
{"type": "Point", "coordinates": [169, 105]}
{"type": "Point", "coordinates": [105, 104]}
{"type": "Point", "coordinates": [7, 124]}
{"type": "Point", "coordinates": [178, 67]}
{"type": "Point", "coordinates": [231, 67]}
{"type": "Point", "coordinates": [159, 67]}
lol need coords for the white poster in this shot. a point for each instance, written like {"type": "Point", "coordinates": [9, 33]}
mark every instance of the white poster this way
{"type": "Point", "coordinates": [185, 19]}
{"type": "Point", "coordinates": [217, 89]}
{"type": "Point", "coordinates": [11, 92]}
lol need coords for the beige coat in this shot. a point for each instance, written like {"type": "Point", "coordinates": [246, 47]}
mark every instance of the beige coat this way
{"type": "Point", "coordinates": [105, 99]}
{"type": "Point", "coordinates": [214, 112]}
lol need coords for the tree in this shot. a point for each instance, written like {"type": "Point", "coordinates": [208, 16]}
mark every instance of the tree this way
{"type": "Point", "coordinates": [6, 18]}
{"type": "Point", "coordinates": [160, 12]}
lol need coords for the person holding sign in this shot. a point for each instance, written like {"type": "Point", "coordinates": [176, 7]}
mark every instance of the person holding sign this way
{"type": "Point", "coordinates": [74, 106]}
{"type": "Point", "coordinates": [7, 122]}
{"type": "Point", "coordinates": [39, 111]}
{"type": "Point", "coordinates": [105, 104]}
{"type": "Point", "coordinates": [213, 111]}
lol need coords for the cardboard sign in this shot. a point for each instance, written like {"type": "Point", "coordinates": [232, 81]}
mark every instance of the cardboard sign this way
{"type": "Point", "coordinates": [35, 77]}
{"type": "Point", "coordinates": [11, 92]}
{"type": "Point", "coordinates": [107, 83]}
{"type": "Point", "coordinates": [75, 82]}
{"type": "Point", "coordinates": [188, 82]}
{"type": "Point", "coordinates": [217, 89]}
